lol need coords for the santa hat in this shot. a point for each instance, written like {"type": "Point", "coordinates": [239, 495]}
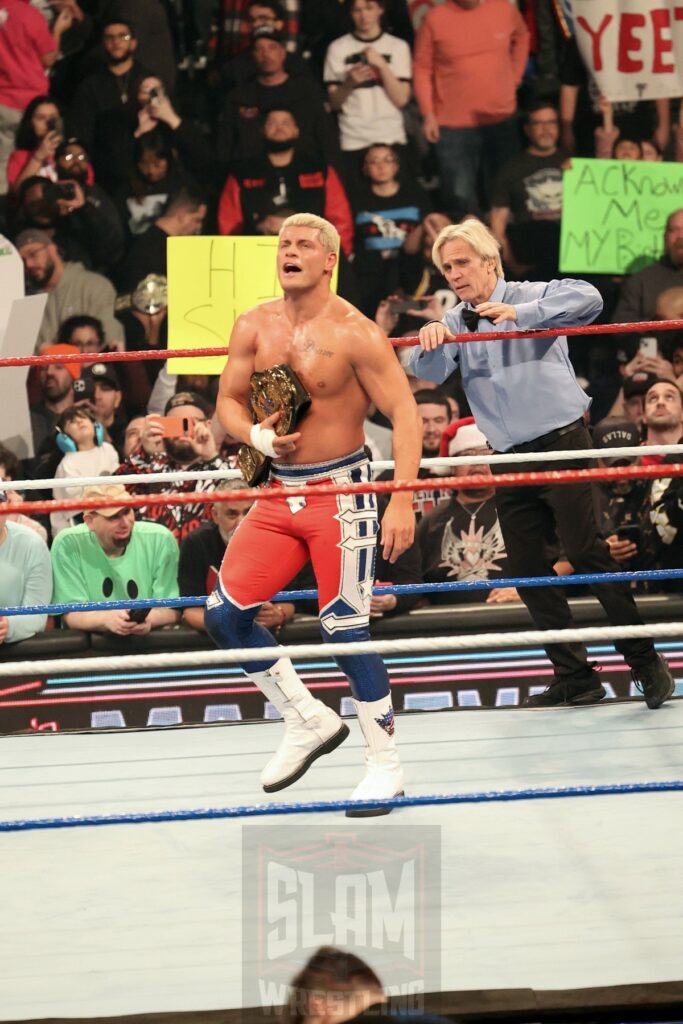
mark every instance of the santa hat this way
{"type": "Point", "coordinates": [461, 436]}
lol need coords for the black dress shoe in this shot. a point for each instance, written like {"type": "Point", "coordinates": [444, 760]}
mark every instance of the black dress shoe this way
{"type": "Point", "coordinates": [654, 681]}
{"type": "Point", "coordinates": [568, 692]}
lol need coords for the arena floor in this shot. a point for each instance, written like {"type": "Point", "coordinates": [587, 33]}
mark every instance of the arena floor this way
{"type": "Point", "coordinates": [543, 894]}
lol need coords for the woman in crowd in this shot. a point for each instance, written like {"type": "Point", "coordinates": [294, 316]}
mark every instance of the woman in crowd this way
{"type": "Point", "coordinates": [40, 132]}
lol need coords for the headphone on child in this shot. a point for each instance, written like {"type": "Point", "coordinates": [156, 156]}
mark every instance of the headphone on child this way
{"type": "Point", "coordinates": [67, 444]}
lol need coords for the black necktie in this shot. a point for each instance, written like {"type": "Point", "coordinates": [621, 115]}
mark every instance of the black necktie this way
{"type": "Point", "coordinates": [471, 318]}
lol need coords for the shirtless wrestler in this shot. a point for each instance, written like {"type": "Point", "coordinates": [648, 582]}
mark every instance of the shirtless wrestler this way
{"type": "Point", "coordinates": [345, 362]}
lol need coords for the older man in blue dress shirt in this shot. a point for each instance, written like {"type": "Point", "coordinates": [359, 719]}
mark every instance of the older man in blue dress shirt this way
{"type": "Point", "coordinates": [525, 398]}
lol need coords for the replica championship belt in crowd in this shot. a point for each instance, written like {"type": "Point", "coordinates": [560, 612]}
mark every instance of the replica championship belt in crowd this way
{"type": "Point", "coordinates": [275, 390]}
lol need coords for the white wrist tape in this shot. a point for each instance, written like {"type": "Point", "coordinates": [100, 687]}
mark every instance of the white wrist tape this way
{"type": "Point", "coordinates": [262, 439]}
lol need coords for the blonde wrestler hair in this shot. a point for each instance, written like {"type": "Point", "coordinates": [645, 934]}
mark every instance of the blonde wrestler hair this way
{"type": "Point", "coordinates": [328, 234]}
{"type": "Point", "coordinates": [477, 235]}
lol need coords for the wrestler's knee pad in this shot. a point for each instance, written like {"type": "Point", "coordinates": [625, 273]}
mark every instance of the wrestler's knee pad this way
{"type": "Point", "coordinates": [366, 673]}
{"type": "Point", "coordinates": [230, 626]}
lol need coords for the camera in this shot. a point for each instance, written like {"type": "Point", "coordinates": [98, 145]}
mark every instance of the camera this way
{"type": "Point", "coordinates": [54, 124]}
{"type": "Point", "coordinates": [154, 94]}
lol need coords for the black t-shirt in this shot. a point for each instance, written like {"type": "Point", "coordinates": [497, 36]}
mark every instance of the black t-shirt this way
{"type": "Point", "coordinates": [240, 135]}
{"type": "Point", "coordinates": [382, 223]}
{"type": "Point", "coordinates": [531, 187]}
{"type": "Point", "coordinates": [461, 543]}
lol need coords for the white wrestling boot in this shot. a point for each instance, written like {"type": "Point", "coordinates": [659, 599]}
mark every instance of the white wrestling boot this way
{"type": "Point", "coordinates": [311, 728]}
{"type": "Point", "coordinates": [383, 774]}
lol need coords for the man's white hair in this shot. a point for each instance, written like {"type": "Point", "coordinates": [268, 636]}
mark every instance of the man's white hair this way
{"type": "Point", "coordinates": [477, 235]}
{"type": "Point", "coordinates": [328, 234]}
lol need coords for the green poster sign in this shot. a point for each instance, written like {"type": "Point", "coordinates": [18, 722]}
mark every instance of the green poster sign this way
{"type": "Point", "coordinates": [614, 212]}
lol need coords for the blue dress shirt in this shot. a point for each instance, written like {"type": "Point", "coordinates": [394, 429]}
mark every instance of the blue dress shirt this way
{"type": "Point", "coordinates": [525, 387]}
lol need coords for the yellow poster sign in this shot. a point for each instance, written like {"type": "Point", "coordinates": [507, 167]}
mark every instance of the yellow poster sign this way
{"type": "Point", "coordinates": [212, 281]}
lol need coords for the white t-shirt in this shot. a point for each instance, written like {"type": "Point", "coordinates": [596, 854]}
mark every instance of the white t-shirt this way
{"type": "Point", "coordinates": [368, 116]}
{"type": "Point", "coordinates": [100, 461]}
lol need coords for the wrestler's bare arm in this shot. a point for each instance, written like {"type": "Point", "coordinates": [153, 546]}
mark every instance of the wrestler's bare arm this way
{"type": "Point", "coordinates": [383, 380]}
{"type": "Point", "coordinates": [232, 405]}
{"type": "Point", "coordinates": [233, 391]}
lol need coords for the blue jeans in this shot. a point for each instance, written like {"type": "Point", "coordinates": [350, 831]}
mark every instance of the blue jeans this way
{"type": "Point", "coordinates": [469, 159]}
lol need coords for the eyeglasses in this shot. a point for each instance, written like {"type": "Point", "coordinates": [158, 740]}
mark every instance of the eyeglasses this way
{"type": "Point", "coordinates": [113, 37]}
{"type": "Point", "coordinates": [68, 157]}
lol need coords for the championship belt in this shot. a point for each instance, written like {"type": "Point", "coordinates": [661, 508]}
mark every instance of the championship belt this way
{"type": "Point", "coordinates": [275, 390]}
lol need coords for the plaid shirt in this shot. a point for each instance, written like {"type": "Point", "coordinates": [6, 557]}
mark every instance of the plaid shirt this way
{"type": "Point", "coordinates": [234, 33]}
{"type": "Point", "coordinates": [179, 519]}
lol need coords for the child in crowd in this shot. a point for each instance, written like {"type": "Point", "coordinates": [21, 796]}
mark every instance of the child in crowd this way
{"type": "Point", "coordinates": [86, 454]}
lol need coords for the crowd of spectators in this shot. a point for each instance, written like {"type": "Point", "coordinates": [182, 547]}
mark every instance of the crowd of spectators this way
{"type": "Point", "coordinates": [123, 124]}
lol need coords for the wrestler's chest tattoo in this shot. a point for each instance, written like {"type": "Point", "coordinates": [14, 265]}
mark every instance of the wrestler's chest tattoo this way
{"type": "Point", "coordinates": [310, 346]}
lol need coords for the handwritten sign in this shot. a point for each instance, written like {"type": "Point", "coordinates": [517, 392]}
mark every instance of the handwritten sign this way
{"type": "Point", "coordinates": [211, 282]}
{"type": "Point", "coordinates": [632, 48]}
{"type": "Point", "coordinates": [614, 213]}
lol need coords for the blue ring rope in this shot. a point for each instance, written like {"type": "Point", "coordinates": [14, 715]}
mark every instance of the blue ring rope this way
{"type": "Point", "coordinates": [319, 806]}
{"type": "Point", "coordinates": [577, 579]}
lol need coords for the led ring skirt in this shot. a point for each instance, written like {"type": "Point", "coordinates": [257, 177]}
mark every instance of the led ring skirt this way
{"type": "Point", "coordinates": [548, 843]}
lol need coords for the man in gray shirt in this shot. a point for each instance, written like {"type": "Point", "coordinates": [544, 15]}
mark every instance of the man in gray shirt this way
{"type": "Point", "coordinates": [71, 289]}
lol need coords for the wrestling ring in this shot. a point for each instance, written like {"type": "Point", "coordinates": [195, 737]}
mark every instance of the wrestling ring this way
{"type": "Point", "coordinates": [546, 844]}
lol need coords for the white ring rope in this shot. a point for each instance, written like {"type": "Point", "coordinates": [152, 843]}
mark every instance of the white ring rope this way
{"type": "Point", "coordinates": [234, 474]}
{"type": "Point", "coordinates": [533, 638]}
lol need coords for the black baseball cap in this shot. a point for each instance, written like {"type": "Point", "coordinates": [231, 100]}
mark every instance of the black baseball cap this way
{"type": "Point", "coordinates": [267, 32]}
{"type": "Point", "coordinates": [614, 432]}
{"type": "Point", "coordinates": [190, 398]}
{"type": "Point", "coordinates": [102, 373]}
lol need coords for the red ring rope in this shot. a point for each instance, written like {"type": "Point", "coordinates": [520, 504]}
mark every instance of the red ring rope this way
{"type": "Point", "coordinates": [191, 353]}
{"type": "Point", "coordinates": [533, 479]}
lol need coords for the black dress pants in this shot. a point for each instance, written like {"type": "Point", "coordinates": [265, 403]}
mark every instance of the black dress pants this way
{"type": "Point", "coordinates": [532, 520]}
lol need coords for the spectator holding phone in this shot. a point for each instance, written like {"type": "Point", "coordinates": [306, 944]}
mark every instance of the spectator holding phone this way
{"type": "Point", "coordinates": [111, 557]}
{"type": "Point", "coordinates": [182, 439]}
{"type": "Point", "coordinates": [40, 132]}
{"type": "Point", "coordinates": [620, 501]}
{"type": "Point", "coordinates": [368, 75]}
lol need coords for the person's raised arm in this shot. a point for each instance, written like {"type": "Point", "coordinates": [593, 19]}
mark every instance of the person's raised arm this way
{"type": "Point", "coordinates": [386, 385]}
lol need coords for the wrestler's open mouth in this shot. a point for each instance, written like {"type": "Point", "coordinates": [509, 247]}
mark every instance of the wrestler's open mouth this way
{"type": "Point", "coordinates": [291, 268]}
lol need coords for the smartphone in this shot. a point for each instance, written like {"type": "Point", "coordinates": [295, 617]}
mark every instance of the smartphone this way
{"type": "Point", "coordinates": [177, 426]}
{"type": "Point", "coordinates": [630, 533]}
{"type": "Point", "coordinates": [54, 124]}
{"type": "Point", "coordinates": [648, 347]}
{"type": "Point", "coordinates": [403, 305]}
{"type": "Point", "coordinates": [138, 614]}
{"type": "Point", "coordinates": [84, 389]}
